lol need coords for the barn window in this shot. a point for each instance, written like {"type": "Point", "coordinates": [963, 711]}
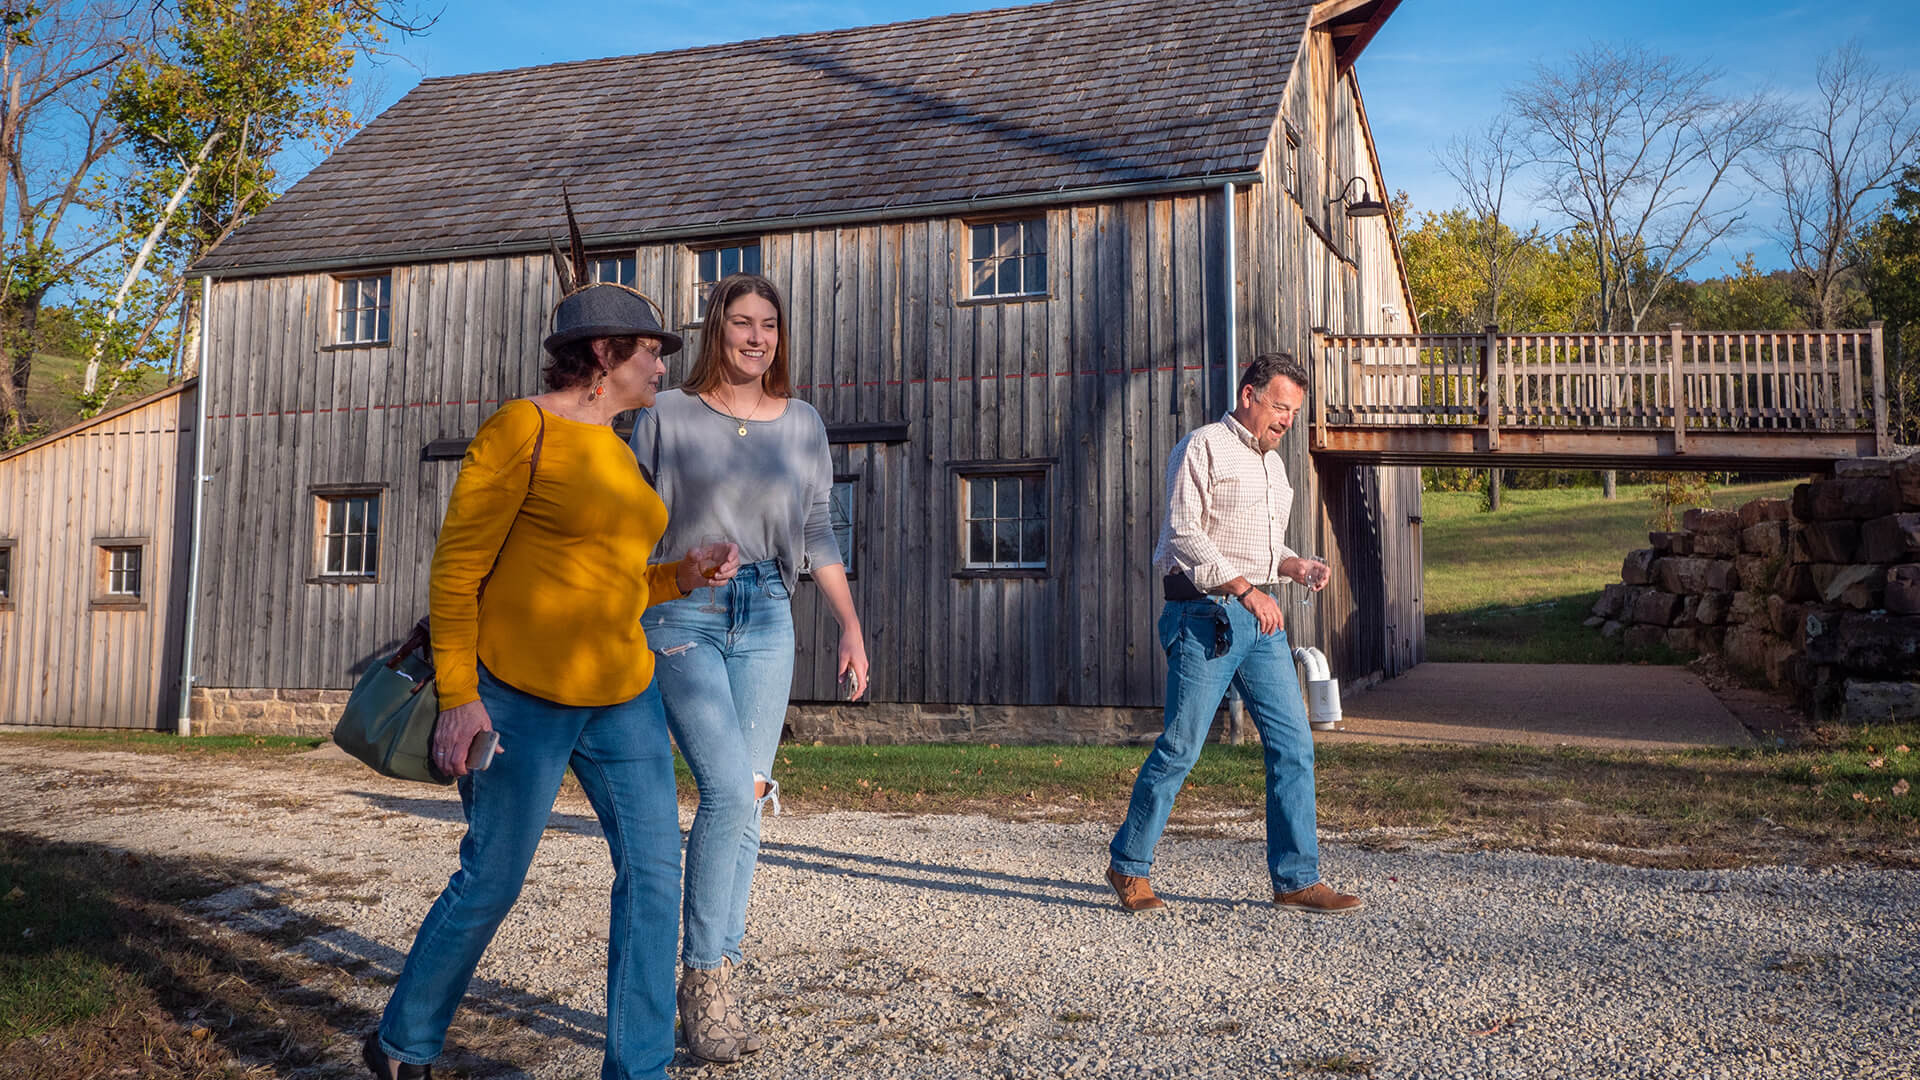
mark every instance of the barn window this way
{"type": "Point", "coordinates": [348, 534]}
{"type": "Point", "coordinates": [1290, 163]}
{"type": "Point", "coordinates": [1007, 258]}
{"type": "Point", "coordinates": [6, 573]}
{"type": "Point", "coordinates": [713, 263]}
{"type": "Point", "coordinates": [364, 309]}
{"type": "Point", "coordinates": [841, 511]}
{"type": "Point", "coordinates": [618, 269]}
{"type": "Point", "coordinates": [1004, 520]}
{"type": "Point", "coordinates": [119, 572]}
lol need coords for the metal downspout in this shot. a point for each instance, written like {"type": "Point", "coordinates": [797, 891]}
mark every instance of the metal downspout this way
{"type": "Point", "coordinates": [1233, 301]}
{"type": "Point", "coordinates": [183, 724]}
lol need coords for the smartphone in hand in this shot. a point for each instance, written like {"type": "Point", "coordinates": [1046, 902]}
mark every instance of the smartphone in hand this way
{"type": "Point", "coordinates": [480, 751]}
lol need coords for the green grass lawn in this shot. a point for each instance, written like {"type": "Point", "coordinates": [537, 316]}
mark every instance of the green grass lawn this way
{"type": "Point", "coordinates": [53, 386]}
{"type": "Point", "coordinates": [1515, 586]}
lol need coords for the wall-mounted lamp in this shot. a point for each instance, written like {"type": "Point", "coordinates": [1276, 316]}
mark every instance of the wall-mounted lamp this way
{"type": "Point", "coordinates": [1365, 205]}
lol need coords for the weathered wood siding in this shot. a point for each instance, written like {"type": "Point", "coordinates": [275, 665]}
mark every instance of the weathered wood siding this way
{"type": "Point", "coordinates": [66, 661]}
{"type": "Point", "coordinates": [1307, 264]}
{"type": "Point", "coordinates": [1098, 380]}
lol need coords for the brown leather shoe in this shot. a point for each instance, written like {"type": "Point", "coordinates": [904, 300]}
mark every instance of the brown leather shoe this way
{"type": "Point", "coordinates": [1135, 893]}
{"type": "Point", "coordinates": [1318, 897]}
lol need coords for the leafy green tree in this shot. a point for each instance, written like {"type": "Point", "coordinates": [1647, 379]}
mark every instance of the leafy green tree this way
{"type": "Point", "coordinates": [1889, 256]}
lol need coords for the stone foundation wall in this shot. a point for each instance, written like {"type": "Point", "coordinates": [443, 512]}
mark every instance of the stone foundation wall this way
{"type": "Point", "coordinates": [221, 711]}
{"type": "Point", "coordinates": [885, 724]}
{"type": "Point", "coordinates": [314, 712]}
{"type": "Point", "coordinates": [1820, 594]}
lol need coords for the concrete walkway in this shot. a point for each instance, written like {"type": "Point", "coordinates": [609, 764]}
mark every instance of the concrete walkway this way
{"type": "Point", "coordinates": [1596, 705]}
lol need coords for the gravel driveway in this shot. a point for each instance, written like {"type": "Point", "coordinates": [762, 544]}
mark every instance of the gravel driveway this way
{"type": "Point", "coordinates": [893, 945]}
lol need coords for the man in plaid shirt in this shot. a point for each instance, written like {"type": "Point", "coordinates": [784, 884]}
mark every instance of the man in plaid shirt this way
{"type": "Point", "coordinates": [1223, 551]}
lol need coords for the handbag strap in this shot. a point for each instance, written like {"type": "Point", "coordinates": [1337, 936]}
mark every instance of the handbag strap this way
{"type": "Point", "coordinates": [533, 463]}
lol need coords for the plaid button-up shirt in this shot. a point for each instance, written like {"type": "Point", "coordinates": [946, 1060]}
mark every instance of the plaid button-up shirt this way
{"type": "Point", "coordinates": [1227, 508]}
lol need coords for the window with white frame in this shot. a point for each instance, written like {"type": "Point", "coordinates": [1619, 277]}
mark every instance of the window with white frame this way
{"type": "Point", "coordinates": [122, 563]}
{"type": "Point", "coordinates": [1007, 259]}
{"type": "Point", "coordinates": [1004, 520]}
{"type": "Point", "coordinates": [348, 531]}
{"type": "Point", "coordinates": [713, 263]}
{"type": "Point", "coordinates": [617, 269]}
{"type": "Point", "coordinates": [364, 310]}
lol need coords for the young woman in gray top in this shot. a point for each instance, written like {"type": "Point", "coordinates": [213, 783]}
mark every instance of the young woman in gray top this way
{"type": "Point", "coordinates": [735, 455]}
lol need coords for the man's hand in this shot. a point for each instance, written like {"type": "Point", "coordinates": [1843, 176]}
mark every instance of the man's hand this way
{"type": "Point", "coordinates": [454, 733]}
{"type": "Point", "coordinates": [1265, 609]}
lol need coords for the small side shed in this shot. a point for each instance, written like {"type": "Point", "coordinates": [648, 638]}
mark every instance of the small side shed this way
{"type": "Point", "coordinates": [93, 550]}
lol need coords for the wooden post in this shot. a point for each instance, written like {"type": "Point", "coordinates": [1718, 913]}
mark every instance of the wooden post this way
{"type": "Point", "coordinates": [1882, 442]}
{"type": "Point", "coordinates": [1323, 379]}
{"type": "Point", "coordinates": [1490, 386]}
{"type": "Point", "coordinates": [1677, 391]}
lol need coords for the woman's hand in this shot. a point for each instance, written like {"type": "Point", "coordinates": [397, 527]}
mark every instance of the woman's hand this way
{"type": "Point", "coordinates": [455, 732]}
{"type": "Point", "coordinates": [853, 659]}
{"type": "Point", "coordinates": [707, 564]}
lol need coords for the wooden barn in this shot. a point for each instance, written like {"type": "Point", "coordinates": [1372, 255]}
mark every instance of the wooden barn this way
{"type": "Point", "coordinates": [94, 522]}
{"type": "Point", "coordinates": [1024, 252]}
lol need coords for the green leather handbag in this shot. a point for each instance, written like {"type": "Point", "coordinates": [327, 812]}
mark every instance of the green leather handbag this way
{"type": "Point", "coordinates": [389, 718]}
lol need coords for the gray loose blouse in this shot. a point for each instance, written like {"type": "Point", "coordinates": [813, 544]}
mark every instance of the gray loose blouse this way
{"type": "Point", "coordinates": [766, 491]}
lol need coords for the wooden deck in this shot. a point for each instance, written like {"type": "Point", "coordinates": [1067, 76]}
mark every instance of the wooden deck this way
{"type": "Point", "coordinates": [1677, 399]}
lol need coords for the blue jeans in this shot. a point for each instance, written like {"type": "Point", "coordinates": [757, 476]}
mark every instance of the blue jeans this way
{"type": "Point", "coordinates": [1261, 665]}
{"type": "Point", "coordinates": [621, 756]}
{"type": "Point", "coordinates": [724, 678]}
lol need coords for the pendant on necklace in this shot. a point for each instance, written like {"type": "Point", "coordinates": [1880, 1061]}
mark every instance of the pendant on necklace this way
{"type": "Point", "coordinates": [743, 430]}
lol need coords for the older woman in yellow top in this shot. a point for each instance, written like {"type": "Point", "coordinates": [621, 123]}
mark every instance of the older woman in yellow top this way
{"type": "Point", "coordinates": [539, 580]}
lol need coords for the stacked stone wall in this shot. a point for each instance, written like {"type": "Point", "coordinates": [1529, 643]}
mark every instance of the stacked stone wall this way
{"type": "Point", "coordinates": [1820, 593]}
{"type": "Point", "coordinates": [223, 711]}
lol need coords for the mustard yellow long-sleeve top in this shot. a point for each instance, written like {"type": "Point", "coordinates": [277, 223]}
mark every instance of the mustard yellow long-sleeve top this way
{"type": "Point", "coordinates": [560, 616]}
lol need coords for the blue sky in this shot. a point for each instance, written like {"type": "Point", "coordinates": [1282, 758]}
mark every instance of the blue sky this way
{"type": "Point", "coordinates": [1438, 68]}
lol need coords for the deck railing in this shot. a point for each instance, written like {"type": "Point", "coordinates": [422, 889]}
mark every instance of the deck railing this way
{"type": "Point", "coordinates": [1676, 381]}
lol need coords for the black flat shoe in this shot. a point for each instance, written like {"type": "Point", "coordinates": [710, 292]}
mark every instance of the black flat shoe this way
{"type": "Point", "coordinates": [382, 1065]}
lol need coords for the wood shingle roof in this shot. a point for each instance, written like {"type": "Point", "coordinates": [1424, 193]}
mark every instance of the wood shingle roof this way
{"type": "Point", "coordinates": [1066, 95]}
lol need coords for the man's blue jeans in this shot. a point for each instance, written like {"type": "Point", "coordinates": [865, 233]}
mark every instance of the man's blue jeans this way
{"type": "Point", "coordinates": [1261, 665]}
{"type": "Point", "coordinates": [624, 763]}
{"type": "Point", "coordinates": [724, 678]}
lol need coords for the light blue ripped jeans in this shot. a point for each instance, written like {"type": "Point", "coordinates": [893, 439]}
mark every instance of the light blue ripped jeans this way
{"type": "Point", "coordinates": [724, 678]}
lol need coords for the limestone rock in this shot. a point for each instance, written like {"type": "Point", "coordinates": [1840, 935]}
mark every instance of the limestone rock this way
{"type": "Point", "coordinates": [1593, 622]}
{"type": "Point", "coordinates": [1671, 543]}
{"type": "Point", "coordinates": [1722, 577]}
{"type": "Point", "coordinates": [1754, 571]}
{"type": "Point", "coordinates": [1831, 541]}
{"type": "Point", "coordinates": [1759, 510]}
{"type": "Point", "coordinates": [1682, 575]}
{"type": "Point", "coordinates": [1712, 608]}
{"type": "Point", "coordinates": [1906, 479]}
{"type": "Point", "coordinates": [1903, 590]}
{"type": "Point", "coordinates": [1638, 567]}
{"type": "Point", "coordinates": [1829, 500]}
{"type": "Point", "coordinates": [1861, 580]}
{"type": "Point", "coordinates": [1882, 702]}
{"type": "Point", "coordinates": [1757, 650]}
{"type": "Point", "coordinates": [1894, 538]}
{"type": "Point", "coordinates": [1768, 538]}
{"type": "Point", "coordinates": [1747, 606]}
{"type": "Point", "coordinates": [1711, 639]}
{"type": "Point", "coordinates": [1885, 646]}
{"type": "Point", "coordinates": [1613, 601]}
{"type": "Point", "coordinates": [1645, 637]}
{"type": "Point", "coordinates": [1655, 608]}
{"type": "Point", "coordinates": [1717, 545]}
{"type": "Point", "coordinates": [1683, 640]}
{"type": "Point", "coordinates": [1862, 468]}
{"type": "Point", "coordinates": [1795, 582]}
{"type": "Point", "coordinates": [1705, 519]}
{"type": "Point", "coordinates": [1612, 628]}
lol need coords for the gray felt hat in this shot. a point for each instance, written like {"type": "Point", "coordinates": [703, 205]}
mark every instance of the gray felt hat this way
{"type": "Point", "coordinates": [608, 310]}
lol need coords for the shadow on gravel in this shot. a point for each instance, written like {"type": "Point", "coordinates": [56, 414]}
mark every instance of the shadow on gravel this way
{"type": "Point", "coordinates": [184, 969]}
{"type": "Point", "coordinates": [449, 810]}
{"type": "Point", "coordinates": [791, 856]}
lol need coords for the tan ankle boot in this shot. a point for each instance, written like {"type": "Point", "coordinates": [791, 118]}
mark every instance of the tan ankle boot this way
{"type": "Point", "coordinates": [737, 1020]}
{"type": "Point", "coordinates": [703, 1015]}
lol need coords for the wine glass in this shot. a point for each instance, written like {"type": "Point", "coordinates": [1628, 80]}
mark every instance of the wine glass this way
{"type": "Point", "coordinates": [713, 554]}
{"type": "Point", "coordinates": [1318, 574]}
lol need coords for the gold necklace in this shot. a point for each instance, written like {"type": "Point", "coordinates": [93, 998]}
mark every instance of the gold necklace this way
{"type": "Point", "coordinates": [728, 409]}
